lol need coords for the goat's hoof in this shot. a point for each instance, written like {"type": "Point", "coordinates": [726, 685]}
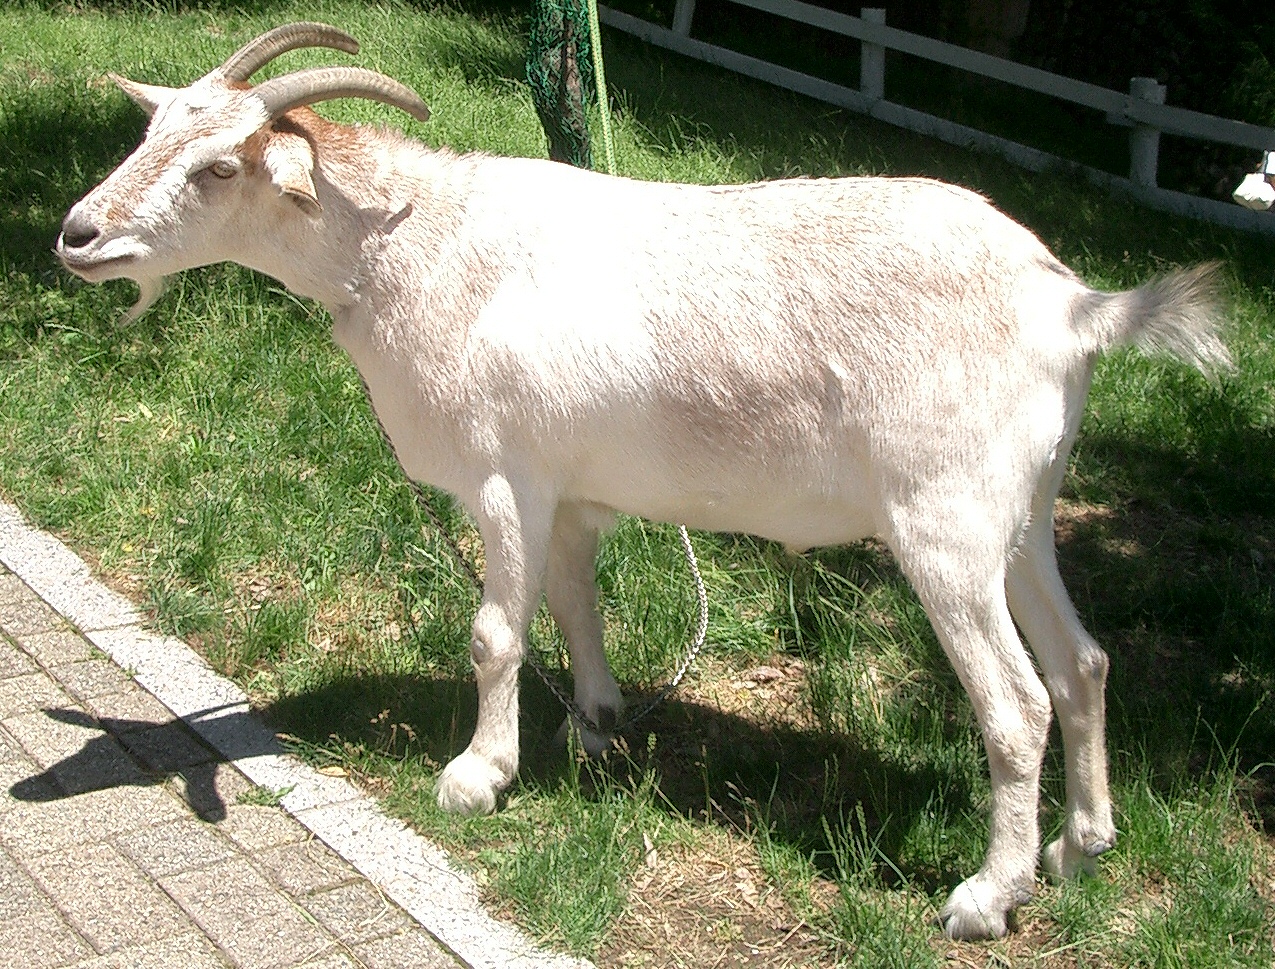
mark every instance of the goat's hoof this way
{"type": "Point", "coordinates": [1096, 848]}
{"type": "Point", "coordinates": [469, 785]}
{"type": "Point", "coordinates": [977, 910]}
{"type": "Point", "coordinates": [1063, 859]}
{"type": "Point", "coordinates": [595, 745]}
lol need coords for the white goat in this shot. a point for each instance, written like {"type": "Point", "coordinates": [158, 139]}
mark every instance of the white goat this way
{"type": "Point", "coordinates": [812, 361]}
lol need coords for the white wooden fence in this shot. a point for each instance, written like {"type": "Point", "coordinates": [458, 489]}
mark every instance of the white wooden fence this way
{"type": "Point", "coordinates": [1141, 109]}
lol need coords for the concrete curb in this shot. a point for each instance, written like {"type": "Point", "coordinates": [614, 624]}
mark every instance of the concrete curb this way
{"type": "Point", "coordinates": [410, 870]}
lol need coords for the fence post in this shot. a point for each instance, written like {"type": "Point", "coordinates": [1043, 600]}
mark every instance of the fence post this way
{"type": "Point", "coordinates": [1144, 140]}
{"type": "Point", "coordinates": [872, 58]}
{"type": "Point", "coordinates": [683, 12]}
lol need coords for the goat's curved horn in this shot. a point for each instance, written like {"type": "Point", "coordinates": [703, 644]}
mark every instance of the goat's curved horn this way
{"type": "Point", "coordinates": [280, 94]}
{"type": "Point", "coordinates": [260, 51]}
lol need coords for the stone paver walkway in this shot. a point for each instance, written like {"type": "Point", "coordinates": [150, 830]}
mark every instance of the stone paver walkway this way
{"type": "Point", "coordinates": [148, 820]}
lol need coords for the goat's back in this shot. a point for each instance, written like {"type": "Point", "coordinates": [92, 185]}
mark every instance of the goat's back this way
{"type": "Point", "coordinates": [706, 354]}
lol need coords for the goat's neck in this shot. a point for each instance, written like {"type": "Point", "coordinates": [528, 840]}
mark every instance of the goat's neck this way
{"type": "Point", "coordinates": [371, 185]}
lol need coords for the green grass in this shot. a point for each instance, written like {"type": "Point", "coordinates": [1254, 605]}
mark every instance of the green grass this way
{"type": "Point", "coordinates": [218, 460]}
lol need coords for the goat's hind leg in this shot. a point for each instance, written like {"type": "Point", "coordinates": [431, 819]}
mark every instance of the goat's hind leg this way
{"type": "Point", "coordinates": [572, 593]}
{"type": "Point", "coordinates": [961, 582]}
{"type": "Point", "coordinates": [1075, 671]}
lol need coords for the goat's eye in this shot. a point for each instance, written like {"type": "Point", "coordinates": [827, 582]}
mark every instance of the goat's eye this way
{"type": "Point", "coordinates": [224, 168]}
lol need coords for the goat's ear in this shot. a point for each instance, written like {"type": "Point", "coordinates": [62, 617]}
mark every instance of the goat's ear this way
{"type": "Point", "coordinates": [149, 97]}
{"type": "Point", "coordinates": [289, 160]}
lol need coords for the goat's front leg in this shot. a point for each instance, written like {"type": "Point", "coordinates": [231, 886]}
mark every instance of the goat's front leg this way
{"type": "Point", "coordinates": [572, 591]}
{"type": "Point", "coordinates": [515, 527]}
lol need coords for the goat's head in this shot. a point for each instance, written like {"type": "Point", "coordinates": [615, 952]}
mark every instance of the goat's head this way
{"type": "Point", "coordinates": [216, 157]}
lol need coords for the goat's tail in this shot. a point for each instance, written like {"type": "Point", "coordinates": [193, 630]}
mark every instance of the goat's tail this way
{"type": "Point", "coordinates": [1179, 313]}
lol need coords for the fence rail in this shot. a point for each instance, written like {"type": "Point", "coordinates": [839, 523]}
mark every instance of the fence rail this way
{"type": "Point", "coordinates": [1142, 108]}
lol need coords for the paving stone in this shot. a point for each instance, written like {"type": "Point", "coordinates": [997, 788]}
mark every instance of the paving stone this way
{"type": "Point", "coordinates": [52, 734]}
{"type": "Point", "coordinates": [181, 845]}
{"type": "Point", "coordinates": [91, 678]}
{"type": "Point", "coordinates": [279, 944]}
{"type": "Point", "coordinates": [26, 614]}
{"type": "Point", "coordinates": [129, 709]}
{"type": "Point", "coordinates": [358, 912]}
{"type": "Point", "coordinates": [210, 789]}
{"type": "Point", "coordinates": [19, 895]}
{"type": "Point", "coordinates": [53, 647]}
{"type": "Point", "coordinates": [10, 749]}
{"type": "Point", "coordinates": [33, 691]}
{"type": "Point", "coordinates": [22, 781]}
{"type": "Point", "coordinates": [103, 766]}
{"type": "Point", "coordinates": [167, 747]}
{"type": "Point", "coordinates": [226, 896]}
{"type": "Point", "coordinates": [418, 950]}
{"type": "Point", "coordinates": [328, 960]}
{"type": "Point", "coordinates": [246, 916]}
{"type": "Point", "coordinates": [40, 940]}
{"type": "Point", "coordinates": [256, 827]}
{"type": "Point", "coordinates": [77, 753]}
{"type": "Point", "coordinates": [191, 951]}
{"type": "Point", "coordinates": [107, 898]}
{"type": "Point", "coordinates": [11, 587]}
{"type": "Point", "coordinates": [32, 829]}
{"type": "Point", "coordinates": [14, 661]}
{"type": "Point", "coordinates": [303, 867]}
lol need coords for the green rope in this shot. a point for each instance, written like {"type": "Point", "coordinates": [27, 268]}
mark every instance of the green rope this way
{"type": "Point", "coordinates": [600, 78]}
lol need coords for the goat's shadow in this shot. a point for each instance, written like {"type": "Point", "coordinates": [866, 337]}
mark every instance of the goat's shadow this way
{"type": "Point", "coordinates": [708, 764]}
{"type": "Point", "coordinates": [711, 764]}
{"type": "Point", "coordinates": [143, 753]}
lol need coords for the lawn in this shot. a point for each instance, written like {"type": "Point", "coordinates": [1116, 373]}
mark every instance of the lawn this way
{"type": "Point", "coordinates": [817, 785]}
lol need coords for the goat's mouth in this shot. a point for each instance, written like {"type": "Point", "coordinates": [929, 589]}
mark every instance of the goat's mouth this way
{"type": "Point", "coordinates": [96, 262]}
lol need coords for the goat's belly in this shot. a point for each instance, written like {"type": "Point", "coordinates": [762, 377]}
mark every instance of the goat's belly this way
{"type": "Point", "coordinates": [798, 525]}
{"type": "Point", "coordinates": [794, 517]}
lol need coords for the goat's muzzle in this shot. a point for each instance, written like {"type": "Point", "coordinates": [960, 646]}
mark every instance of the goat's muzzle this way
{"type": "Point", "coordinates": [83, 250]}
{"type": "Point", "coordinates": [78, 231]}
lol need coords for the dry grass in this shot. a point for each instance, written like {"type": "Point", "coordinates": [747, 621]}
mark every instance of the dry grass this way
{"type": "Point", "coordinates": [710, 904]}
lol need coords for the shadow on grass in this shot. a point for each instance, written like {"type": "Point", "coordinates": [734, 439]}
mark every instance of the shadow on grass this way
{"type": "Point", "coordinates": [1177, 583]}
{"type": "Point", "coordinates": [55, 145]}
{"type": "Point", "coordinates": [709, 764]}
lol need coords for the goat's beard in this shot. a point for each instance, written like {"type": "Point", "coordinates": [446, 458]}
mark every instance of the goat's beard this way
{"type": "Point", "coordinates": [150, 289]}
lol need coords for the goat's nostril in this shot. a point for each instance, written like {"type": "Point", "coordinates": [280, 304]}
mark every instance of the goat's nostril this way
{"type": "Point", "coordinates": [78, 232]}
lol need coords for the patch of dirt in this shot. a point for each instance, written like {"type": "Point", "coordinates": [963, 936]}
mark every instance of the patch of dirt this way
{"type": "Point", "coordinates": [770, 693]}
{"type": "Point", "coordinates": [706, 906]}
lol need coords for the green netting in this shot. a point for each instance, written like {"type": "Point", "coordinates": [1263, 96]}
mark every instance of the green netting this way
{"type": "Point", "coordinates": [560, 72]}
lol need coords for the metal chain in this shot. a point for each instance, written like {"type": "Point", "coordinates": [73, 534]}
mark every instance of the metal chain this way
{"type": "Point", "coordinates": [574, 710]}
